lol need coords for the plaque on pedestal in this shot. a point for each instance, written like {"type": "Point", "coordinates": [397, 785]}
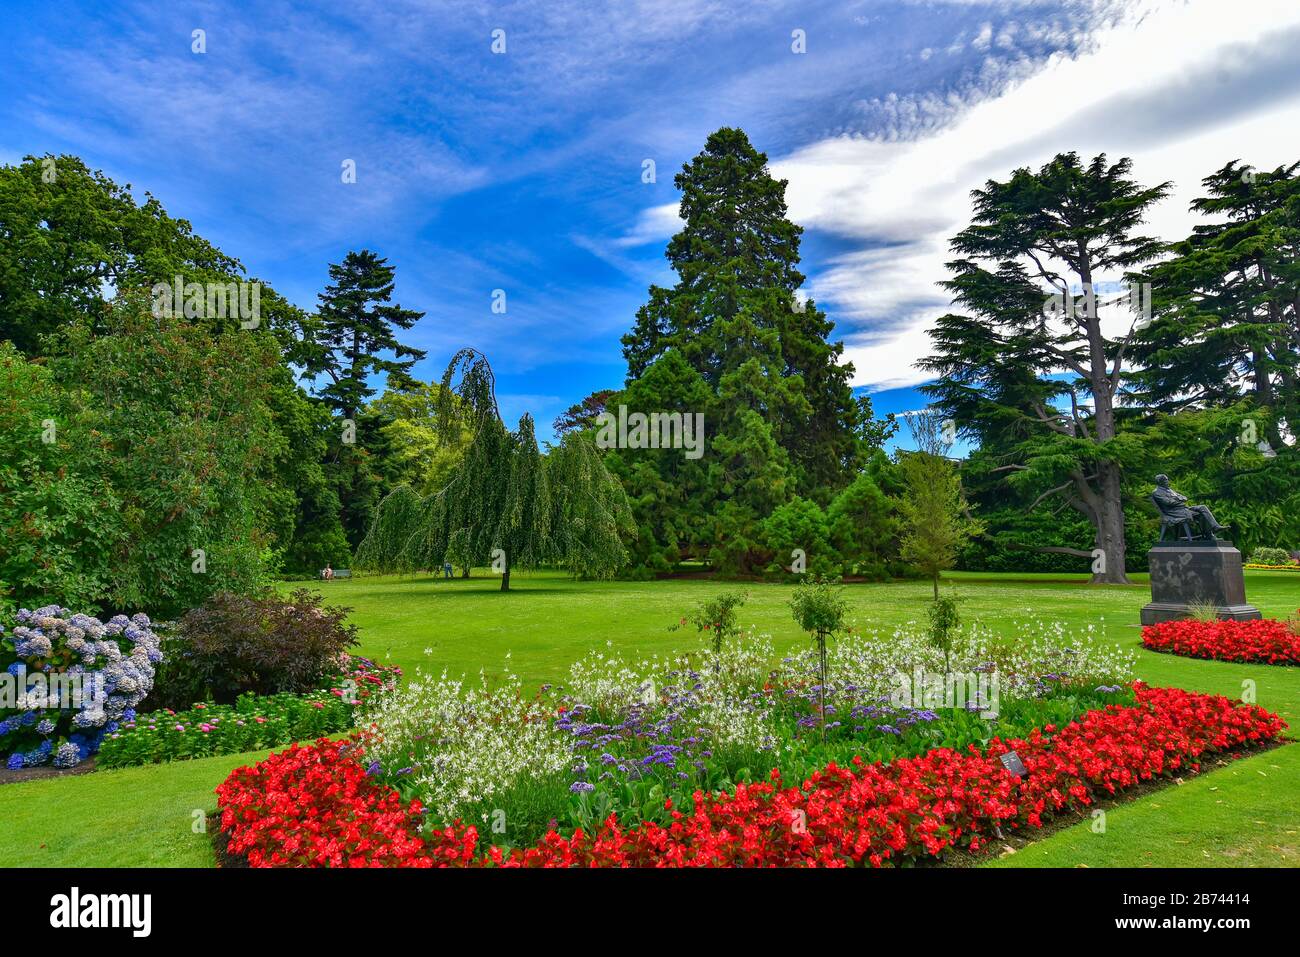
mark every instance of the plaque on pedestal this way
{"type": "Point", "coordinates": [1198, 571]}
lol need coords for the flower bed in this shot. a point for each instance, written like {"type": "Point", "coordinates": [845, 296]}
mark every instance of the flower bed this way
{"type": "Point", "coordinates": [317, 805]}
{"type": "Point", "coordinates": [1260, 641]}
{"type": "Point", "coordinates": [622, 737]}
{"type": "Point", "coordinates": [252, 723]}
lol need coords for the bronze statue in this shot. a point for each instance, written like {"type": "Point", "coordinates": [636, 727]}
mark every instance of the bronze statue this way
{"type": "Point", "coordinates": [1175, 511]}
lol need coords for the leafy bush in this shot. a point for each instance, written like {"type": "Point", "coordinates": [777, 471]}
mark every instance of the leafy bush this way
{"type": "Point", "coordinates": [717, 616]}
{"type": "Point", "coordinates": [1271, 556]}
{"type": "Point", "coordinates": [799, 525]}
{"type": "Point", "coordinates": [233, 644]}
{"type": "Point", "coordinates": [943, 622]}
{"type": "Point", "coordinates": [68, 681]}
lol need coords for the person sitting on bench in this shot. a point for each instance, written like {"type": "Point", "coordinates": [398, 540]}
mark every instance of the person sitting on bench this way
{"type": "Point", "coordinates": [1174, 510]}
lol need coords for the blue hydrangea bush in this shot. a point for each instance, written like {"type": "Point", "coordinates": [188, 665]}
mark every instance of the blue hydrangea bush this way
{"type": "Point", "coordinates": [50, 653]}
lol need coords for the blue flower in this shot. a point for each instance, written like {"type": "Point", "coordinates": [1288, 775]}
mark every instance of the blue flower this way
{"type": "Point", "coordinates": [581, 787]}
{"type": "Point", "coordinates": [69, 755]}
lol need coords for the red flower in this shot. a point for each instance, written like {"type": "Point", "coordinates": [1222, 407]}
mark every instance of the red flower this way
{"type": "Point", "coordinates": [1261, 641]}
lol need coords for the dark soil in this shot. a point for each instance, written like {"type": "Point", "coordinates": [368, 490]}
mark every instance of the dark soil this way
{"type": "Point", "coordinates": [221, 845]}
{"type": "Point", "coordinates": [45, 771]}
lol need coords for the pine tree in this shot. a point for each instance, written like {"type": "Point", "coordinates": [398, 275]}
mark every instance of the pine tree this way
{"type": "Point", "coordinates": [345, 344]}
{"type": "Point", "coordinates": [1226, 309]}
{"type": "Point", "coordinates": [354, 326]}
{"type": "Point", "coordinates": [782, 416]}
{"type": "Point", "coordinates": [1032, 236]}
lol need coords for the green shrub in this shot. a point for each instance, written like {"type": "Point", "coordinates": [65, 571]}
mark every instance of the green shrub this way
{"type": "Point", "coordinates": [233, 644]}
{"type": "Point", "coordinates": [718, 617]}
{"type": "Point", "coordinates": [1271, 556]}
{"type": "Point", "coordinates": [819, 608]}
{"type": "Point", "coordinates": [943, 623]}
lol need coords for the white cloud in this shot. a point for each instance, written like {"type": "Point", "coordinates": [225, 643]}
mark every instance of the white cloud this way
{"type": "Point", "coordinates": [654, 224]}
{"type": "Point", "coordinates": [1182, 91]}
{"type": "Point", "coordinates": [1181, 88]}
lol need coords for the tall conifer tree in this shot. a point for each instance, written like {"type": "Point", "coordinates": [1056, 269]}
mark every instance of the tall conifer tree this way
{"type": "Point", "coordinates": [781, 418]}
{"type": "Point", "coordinates": [1055, 231]}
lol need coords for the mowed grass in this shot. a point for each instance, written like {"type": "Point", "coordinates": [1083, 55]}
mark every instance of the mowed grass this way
{"type": "Point", "coordinates": [1244, 814]}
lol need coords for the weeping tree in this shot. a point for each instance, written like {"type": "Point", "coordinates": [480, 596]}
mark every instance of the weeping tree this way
{"type": "Point", "coordinates": [381, 549]}
{"type": "Point", "coordinates": [505, 504]}
{"type": "Point", "coordinates": [591, 516]}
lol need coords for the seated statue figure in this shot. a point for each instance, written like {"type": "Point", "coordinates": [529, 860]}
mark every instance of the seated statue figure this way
{"type": "Point", "coordinates": [1175, 511]}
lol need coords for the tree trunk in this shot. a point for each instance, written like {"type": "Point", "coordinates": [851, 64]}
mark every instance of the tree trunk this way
{"type": "Point", "coordinates": [1106, 501]}
{"type": "Point", "coordinates": [464, 572]}
{"type": "Point", "coordinates": [1110, 527]}
{"type": "Point", "coordinates": [936, 587]}
{"type": "Point", "coordinates": [505, 578]}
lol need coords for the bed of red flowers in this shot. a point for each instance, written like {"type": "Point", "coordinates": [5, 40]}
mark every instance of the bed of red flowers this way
{"type": "Point", "coordinates": [1261, 641]}
{"type": "Point", "coordinates": [315, 806]}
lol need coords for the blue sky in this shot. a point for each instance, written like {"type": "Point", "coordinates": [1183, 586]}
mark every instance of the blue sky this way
{"type": "Point", "coordinates": [522, 170]}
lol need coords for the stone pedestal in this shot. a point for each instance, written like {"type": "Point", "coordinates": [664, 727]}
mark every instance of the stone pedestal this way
{"type": "Point", "coordinates": [1200, 571]}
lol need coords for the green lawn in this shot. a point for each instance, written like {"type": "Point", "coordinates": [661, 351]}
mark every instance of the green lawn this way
{"type": "Point", "coordinates": [1244, 814]}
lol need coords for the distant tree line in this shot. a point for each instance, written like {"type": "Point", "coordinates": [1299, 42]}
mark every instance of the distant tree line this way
{"type": "Point", "coordinates": [150, 456]}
